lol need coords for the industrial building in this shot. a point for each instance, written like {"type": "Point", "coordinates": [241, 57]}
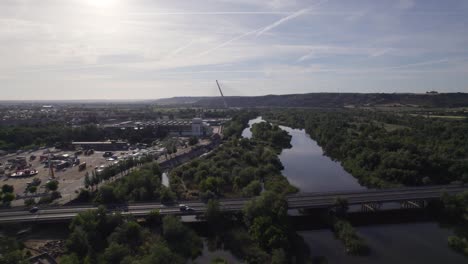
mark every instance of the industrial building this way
{"type": "Point", "coordinates": [102, 145]}
{"type": "Point", "coordinates": [185, 128]}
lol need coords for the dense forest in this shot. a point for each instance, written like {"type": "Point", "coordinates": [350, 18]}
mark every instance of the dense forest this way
{"type": "Point", "coordinates": [238, 167]}
{"type": "Point", "coordinates": [97, 237]}
{"type": "Point", "coordinates": [387, 149]}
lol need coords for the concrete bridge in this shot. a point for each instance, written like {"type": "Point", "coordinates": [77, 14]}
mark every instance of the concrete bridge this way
{"type": "Point", "coordinates": [369, 200]}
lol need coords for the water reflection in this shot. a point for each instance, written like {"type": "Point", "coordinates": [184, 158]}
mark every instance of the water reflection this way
{"type": "Point", "coordinates": [402, 243]}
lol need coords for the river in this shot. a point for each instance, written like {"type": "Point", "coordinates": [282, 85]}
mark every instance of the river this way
{"type": "Point", "coordinates": [307, 168]}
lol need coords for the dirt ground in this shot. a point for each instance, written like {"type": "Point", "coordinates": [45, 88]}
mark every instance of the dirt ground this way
{"type": "Point", "coordinates": [70, 179]}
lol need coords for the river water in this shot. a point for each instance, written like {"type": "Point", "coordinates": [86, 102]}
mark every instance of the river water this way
{"type": "Point", "coordinates": [307, 168]}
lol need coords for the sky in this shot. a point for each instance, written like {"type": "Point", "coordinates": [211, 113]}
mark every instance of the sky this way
{"type": "Point", "coordinates": [145, 49]}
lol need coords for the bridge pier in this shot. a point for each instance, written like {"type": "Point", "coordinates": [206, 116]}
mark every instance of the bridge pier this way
{"type": "Point", "coordinates": [370, 207]}
{"type": "Point", "coordinates": [413, 204]}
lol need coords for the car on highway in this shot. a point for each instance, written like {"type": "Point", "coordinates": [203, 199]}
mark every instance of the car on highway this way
{"type": "Point", "coordinates": [34, 209]}
{"type": "Point", "coordinates": [185, 208]}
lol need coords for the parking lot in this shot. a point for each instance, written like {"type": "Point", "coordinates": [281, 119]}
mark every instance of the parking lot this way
{"type": "Point", "coordinates": [70, 178]}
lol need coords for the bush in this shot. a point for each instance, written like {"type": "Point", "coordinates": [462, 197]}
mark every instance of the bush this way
{"type": "Point", "coordinates": [347, 234]}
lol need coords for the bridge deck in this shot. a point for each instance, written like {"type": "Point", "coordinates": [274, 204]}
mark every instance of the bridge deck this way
{"type": "Point", "coordinates": [296, 201]}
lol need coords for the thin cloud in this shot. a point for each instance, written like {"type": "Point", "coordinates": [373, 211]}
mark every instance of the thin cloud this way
{"type": "Point", "coordinates": [286, 19]}
{"type": "Point", "coordinates": [281, 21]}
{"type": "Point", "coordinates": [425, 63]}
{"type": "Point", "coordinates": [227, 42]}
{"type": "Point", "coordinates": [180, 49]}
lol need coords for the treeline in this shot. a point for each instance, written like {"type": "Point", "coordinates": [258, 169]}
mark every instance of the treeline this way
{"type": "Point", "coordinates": [30, 137]}
{"type": "Point", "coordinates": [12, 251]}
{"type": "Point", "coordinates": [386, 149]}
{"type": "Point", "coordinates": [97, 237]}
{"type": "Point", "coordinates": [272, 134]}
{"type": "Point", "coordinates": [142, 184]}
{"type": "Point", "coordinates": [455, 214]}
{"type": "Point", "coordinates": [238, 123]}
{"type": "Point", "coordinates": [336, 100]}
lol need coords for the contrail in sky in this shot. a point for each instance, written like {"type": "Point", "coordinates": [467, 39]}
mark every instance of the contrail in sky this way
{"type": "Point", "coordinates": [227, 42]}
{"type": "Point", "coordinates": [287, 18]}
{"type": "Point", "coordinates": [180, 49]}
{"type": "Point", "coordinates": [281, 21]}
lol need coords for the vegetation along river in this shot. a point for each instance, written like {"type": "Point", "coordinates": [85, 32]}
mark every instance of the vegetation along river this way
{"type": "Point", "coordinates": [307, 168]}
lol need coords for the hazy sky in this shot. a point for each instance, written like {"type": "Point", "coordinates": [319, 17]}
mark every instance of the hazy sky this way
{"type": "Point", "coordinates": [141, 49]}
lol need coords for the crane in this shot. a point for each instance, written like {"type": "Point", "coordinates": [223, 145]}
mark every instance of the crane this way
{"type": "Point", "coordinates": [222, 95]}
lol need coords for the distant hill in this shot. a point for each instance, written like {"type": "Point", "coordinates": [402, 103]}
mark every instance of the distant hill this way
{"type": "Point", "coordinates": [327, 100]}
{"type": "Point", "coordinates": [179, 100]}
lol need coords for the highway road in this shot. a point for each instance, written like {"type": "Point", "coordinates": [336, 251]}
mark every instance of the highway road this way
{"type": "Point", "coordinates": [296, 201]}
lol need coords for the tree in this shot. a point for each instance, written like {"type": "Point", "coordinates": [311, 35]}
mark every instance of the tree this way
{"type": "Point", "coordinates": [130, 233]}
{"type": "Point", "coordinates": [214, 216]}
{"type": "Point", "coordinates": [87, 181]}
{"type": "Point", "coordinates": [107, 195]}
{"type": "Point", "coordinates": [252, 189]}
{"type": "Point", "coordinates": [29, 202]}
{"type": "Point", "coordinates": [167, 196]}
{"type": "Point", "coordinates": [154, 218]}
{"type": "Point", "coordinates": [268, 234]}
{"type": "Point", "coordinates": [11, 251]}
{"type": "Point", "coordinates": [114, 253]}
{"type": "Point", "coordinates": [77, 242]}
{"type": "Point", "coordinates": [69, 259]}
{"type": "Point", "coordinates": [160, 253]}
{"type": "Point", "coordinates": [193, 141]}
{"type": "Point", "coordinates": [52, 185]}
{"type": "Point", "coordinates": [279, 256]}
{"type": "Point", "coordinates": [7, 188]}
{"type": "Point", "coordinates": [8, 197]}
{"type": "Point", "coordinates": [341, 206]}
{"type": "Point", "coordinates": [175, 232]}
{"type": "Point", "coordinates": [32, 189]}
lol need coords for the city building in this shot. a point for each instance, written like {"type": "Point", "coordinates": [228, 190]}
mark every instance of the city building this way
{"type": "Point", "coordinates": [185, 128]}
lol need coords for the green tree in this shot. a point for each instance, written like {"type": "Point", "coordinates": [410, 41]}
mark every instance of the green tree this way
{"type": "Point", "coordinates": [106, 195]}
{"type": "Point", "coordinates": [279, 256]}
{"type": "Point", "coordinates": [341, 206]}
{"type": "Point", "coordinates": [154, 218]}
{"type": "Point", "coordinates": [11, 251]}
{"type": "Point", "coordinates": [130, 233]}
{"type": "Point", "coordinates": [213, 212]}
{"type": "Point", "coordinates": [77, 242]}
{"type": "Point", "coordinates": [160, 253]}
{"type": "Point", "coordinates": [8, 197]}
{"type": "Point", "coordinates": [29, 202]}
{"type": "Point", "coordinates": [7, 188]}
{"type": "Point", "coordinates": [69, 259]}
{"type": "Point", "coordinates": [87, 181]}
{"type": "Point", "coordinates": [52, 185]}
{"type": "Point", "coordinates": [32, 189]}
{"type": "Point", "coordinates": [193, 141]}
{"type": "Point", "coordinates": [174, 232]}
{"type": "Point", "coordinates": [115, 253]}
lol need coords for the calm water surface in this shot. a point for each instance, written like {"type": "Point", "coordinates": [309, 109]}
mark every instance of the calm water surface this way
{"type": "Point", "coordinates": [307, 168]}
